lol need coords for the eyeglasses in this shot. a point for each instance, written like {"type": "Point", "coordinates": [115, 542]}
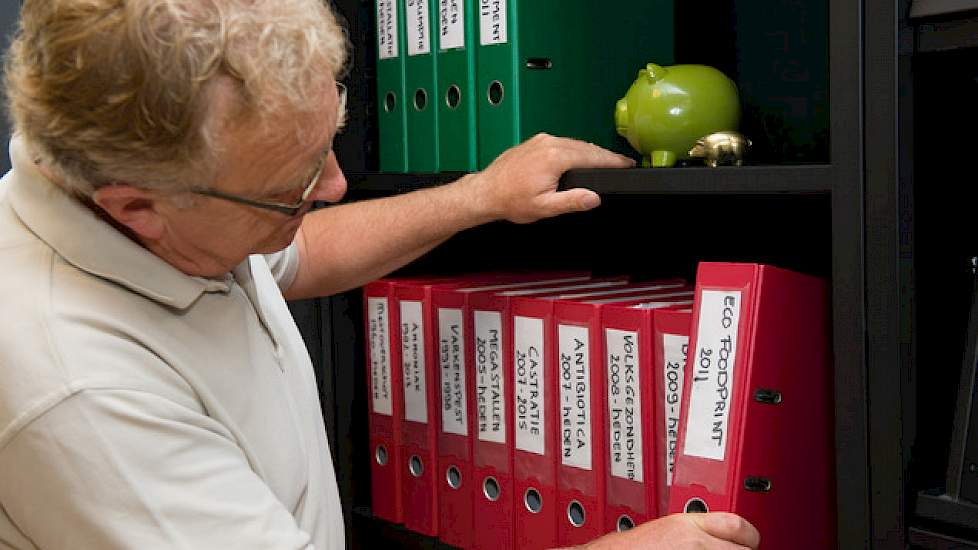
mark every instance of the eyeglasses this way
{"type": "Point", "coordinates": [289, 209]}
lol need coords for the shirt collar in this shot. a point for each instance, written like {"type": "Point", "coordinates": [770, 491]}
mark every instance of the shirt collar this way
{"type": "Point", "coordinates": [91, 244]}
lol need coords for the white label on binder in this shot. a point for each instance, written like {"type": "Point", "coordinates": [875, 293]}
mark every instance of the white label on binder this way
{"type": "Point", "coordinates": [451, 356]}
{"type": "Point", "coordinates": [380, 356]}
{"type": "Point", "coordinates": [387, 29]}
{"type": "Point", "coordinates": [489, 380]}
{"type": "Point", "coordinates": [713, 374]}
{"type": "Point", "coordinates": [624, 405]}
{"type": "Point", "coordinates": [492, 22]}
{"type": "Point", "coordinates": [451, 17]}
{"type": "Point", "coordinates": [530, 390]}
{"type": "Point", "coordinates": [575, 396]}
{"type": "Point", "coordinates": [412, 361]}
{"type": "Point", "coordinates": [418, 22]}
{"type": "Point", "coordinates": [674, 350]}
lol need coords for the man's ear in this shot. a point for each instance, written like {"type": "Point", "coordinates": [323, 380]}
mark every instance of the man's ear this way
{"type": "Point", "coordinates": [132, 207]}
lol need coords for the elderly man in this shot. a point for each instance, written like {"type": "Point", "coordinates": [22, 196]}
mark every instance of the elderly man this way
{"type": "Point", "coordinates": [154, 390]}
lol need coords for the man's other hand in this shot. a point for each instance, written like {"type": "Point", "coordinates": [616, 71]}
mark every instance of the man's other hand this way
{"type": "Point", "coordinates": [713, 531]}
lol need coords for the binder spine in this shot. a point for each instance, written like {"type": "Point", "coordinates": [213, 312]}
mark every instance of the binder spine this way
{"type": "Point", "coordinates": [535, 447]}
{"type": "Point", "coordinates": [497, 87]}
{"type": "Point", "coordinates": [581, 474]}
{"type": "Point", "coordinates": [627, 364]}
{"type": "Point", "coordinates": [419, 457]}
{"type": "Point", "coordinates": [391, 114]}
{"type": "Point", "coordinates": [492, 455]}
{"type": "Point", "coordinates": [421, 85]}
{"type": "Point", "coordinates": [670, 334]}
{"type": "Point", "coordinates": [454, 475]}
{"type": "Point", "coordinates": [384, 402]}
{"type": "Point", "coordinates": [456, 96]}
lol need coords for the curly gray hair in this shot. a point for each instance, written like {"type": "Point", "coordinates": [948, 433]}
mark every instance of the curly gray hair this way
{"type": "Point", "coordinates": [120, 90]}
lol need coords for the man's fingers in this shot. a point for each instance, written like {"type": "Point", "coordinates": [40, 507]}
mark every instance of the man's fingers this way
{"type": "Point", "coordinates": [577, 200]}
{"type": "Point", "coordinates": [728, 527]}
{"type": "Point", "coordinates": [571, 153]}
{"type": "Point", "coordinates": [562, 202]}
{"type": "Point", "coordinates": [582, 154]}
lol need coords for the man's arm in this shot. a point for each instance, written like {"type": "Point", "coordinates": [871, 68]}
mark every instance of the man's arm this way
{"type": "Point", "coordinates": [346, 246]}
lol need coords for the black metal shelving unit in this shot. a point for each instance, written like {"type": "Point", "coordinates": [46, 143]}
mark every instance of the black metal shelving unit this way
{"type": "Point", "coordinates": [938, 55]}
{"type": "Point", "coordinates": [846, 212]}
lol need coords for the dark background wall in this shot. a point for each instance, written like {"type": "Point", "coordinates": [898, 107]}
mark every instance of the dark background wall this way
{"type": "Point", "coordinates": [9, 9]}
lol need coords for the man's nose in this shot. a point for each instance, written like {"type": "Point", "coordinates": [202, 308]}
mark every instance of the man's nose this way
{"type": "Point", "coordinates": [332, 182]}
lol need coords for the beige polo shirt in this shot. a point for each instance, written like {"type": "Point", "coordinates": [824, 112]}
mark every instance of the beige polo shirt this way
{"type": "Point", "coordinates": [144, 408]}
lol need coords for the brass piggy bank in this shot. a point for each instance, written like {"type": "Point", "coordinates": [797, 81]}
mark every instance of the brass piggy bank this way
{"type": "Point", "coordinates": [721, 148]}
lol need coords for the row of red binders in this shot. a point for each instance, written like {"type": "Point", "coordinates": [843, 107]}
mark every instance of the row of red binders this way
{"type": "Point", "coordinates": [544, 410]}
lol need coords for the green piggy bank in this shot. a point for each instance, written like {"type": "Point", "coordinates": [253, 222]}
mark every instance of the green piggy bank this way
{"type": "Point", "coordinates": [668, 108]}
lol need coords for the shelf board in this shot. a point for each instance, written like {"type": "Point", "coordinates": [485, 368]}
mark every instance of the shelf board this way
{"type": "Point", "coordinates": [950, 34]}
{"type": "Point", "coordinates": [935, 506]}
{"type": "Point", "coordinates": [372, 532]}
{"type": "Point", "coordinates": [924, 538]}
{"type": "Point", "coordinates": [690, 180]}
{"type": "Point", "coordinates": [702, 180]}
{"type": "Point", "coordinates": [927, 8]}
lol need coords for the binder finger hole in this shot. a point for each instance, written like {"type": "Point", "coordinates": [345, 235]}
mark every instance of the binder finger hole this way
{"type": "Point", "coordinates": [757, 484]}
{"type": "Point", "coordinates": [416, 466]}
{"type": "Point", "coordinates": [696, 506]}
{"type": "Point", "coordinates": [453, 97]}
{"type": "Point", "coordinates": [496, 92]}
{"type": "Point", "coordinates": [454, 477]}
{"type": "Point", "coordinates": [575, 514]}
{"type": "Point", "coordinates": [380, 455]}
{"type": "Point", "coordinates": [768, 397]}
{"type": "Point", "coordinates": [390, 102]}
{"type": "Point", "coordinates": [420, 99]}
{"type": "Point", "coordinates": [625, 523]}
{"type": "Point", "coordinates": [533, 500]}
{"type": "Point", "coordinates": [490, 488]}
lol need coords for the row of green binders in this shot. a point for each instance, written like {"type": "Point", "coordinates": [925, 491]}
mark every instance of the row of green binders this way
{"type": "Point", "coordinates": [460, 81]}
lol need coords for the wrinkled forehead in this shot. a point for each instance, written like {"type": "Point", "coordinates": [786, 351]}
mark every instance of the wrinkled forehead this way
{"type": "Point", "coordinates": [274, 122]}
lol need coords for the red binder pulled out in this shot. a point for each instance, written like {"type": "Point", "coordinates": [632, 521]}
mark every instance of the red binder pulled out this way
{"type": "Point", "coordinates": [643, 368]}
{"type": "Point", "coordinates": [757, 438]}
